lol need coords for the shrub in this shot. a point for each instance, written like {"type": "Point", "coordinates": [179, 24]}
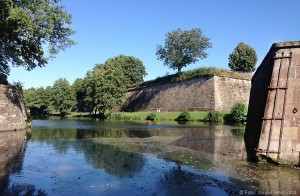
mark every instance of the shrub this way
{"type": "Point", "coordinates": [184, 116]}
{"type": "Point", "coordinates": [151, 117]}
{"type": "Point", "coordinates": [239, 112]}
{"type": "Point", "coordinates": [214, 117]}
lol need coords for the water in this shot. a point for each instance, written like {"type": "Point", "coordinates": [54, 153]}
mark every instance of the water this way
{"type": "Point", "coordinates": [85, 157]}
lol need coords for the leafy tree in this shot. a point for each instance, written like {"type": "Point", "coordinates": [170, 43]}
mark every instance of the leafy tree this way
{"type": "Point", "coordinates": [239, 112]}
{"type": "Point", "coordinates": [38, 101]}
{"type": "Point", "coordinates": [79, 89]}
{"type": "Point", "coordinates": [243, 58]}
{"type": "Point", "coordinates": [104, 89]}
{"type": "Point", "coordinates": [183, 48]}
{"type": "Point", "coordinates": [133, 68]}
{"type": "Point", "coordinates": [26, 27]}
{"type": "Point", "coordinates": [63, 96]}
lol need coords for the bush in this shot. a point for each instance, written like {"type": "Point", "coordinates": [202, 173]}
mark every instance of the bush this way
{"type": "Point", "coordinates": [184, 116]}
{"type": "Point", "coordinates": [214, 117]}
{"type": "Point", "coordinates": [151, 117]}
{"type": "Point", "coordinates": [239, 112]}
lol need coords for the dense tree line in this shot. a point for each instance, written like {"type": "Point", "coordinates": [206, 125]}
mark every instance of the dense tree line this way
{"type": "Point", "coordinates": [98, 92]}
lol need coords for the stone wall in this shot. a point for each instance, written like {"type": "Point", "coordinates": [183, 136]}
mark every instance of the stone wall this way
{"type": "Point", "coordinates": [273, 124]}
{"type": "Point", "coordinates": [230, 90]}
{"type": "Point", "coordinates": [201, 94]}
{"type": "Point", "coordinates": [12, 111]}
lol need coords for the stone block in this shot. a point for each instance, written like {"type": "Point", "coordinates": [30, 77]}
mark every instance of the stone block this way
{"type": "Point", "coordinates": [290, 133]}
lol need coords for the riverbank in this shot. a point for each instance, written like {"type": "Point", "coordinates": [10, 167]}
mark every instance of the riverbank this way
{"type": "Point", "coordinates": [160, 116]}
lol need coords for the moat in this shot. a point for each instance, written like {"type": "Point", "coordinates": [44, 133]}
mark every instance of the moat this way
{"type": "Point", "coordinates": [85, 157]}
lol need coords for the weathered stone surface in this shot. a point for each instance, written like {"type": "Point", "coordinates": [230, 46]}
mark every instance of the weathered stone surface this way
{"type": "Point", "coordinates": [273, 123]}
{"type": "Point", "coordinates": [12, 111]}
{"type": "Point", "coordinates": [202, 94]}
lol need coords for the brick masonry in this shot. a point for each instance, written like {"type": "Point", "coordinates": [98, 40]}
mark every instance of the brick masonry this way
{"type": "Point", "coordinates": [12, 111]}
{"type": "Point", "coordinates": [201, 94]}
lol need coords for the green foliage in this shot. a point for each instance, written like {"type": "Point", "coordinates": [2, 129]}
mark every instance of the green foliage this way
{"type": "Point", "coordinates": [104, 88]}
{"type": "Point", "coordinates": [105, 85]}
{"type": "Point", "coordinates": [27, 27]}
{"type": "Point", "coordinates": [151, 117]}
{"type": "Point", "coordinates": [79, 88]}
{"type": "Point", "coordinates": [183, 48]}
{"type": "Point", "coordinates": [186, 75]}
{"type": "Point", "coordinates": [243, 58]}
{"type": "Point", "coordinates": [214, 117]}
{"type": "Point", "coordinates": [38, 101]}
{"type": "Point", "coordinates": [184, 116]}
{"type": "Point", "coordinates": [63, 97]}
{"type": "Point", "coordinates": [239, 112]}
{"type": "Point", "coordinates": [133, 69]}
{"type": "Point", "coordinates": [196, 73]}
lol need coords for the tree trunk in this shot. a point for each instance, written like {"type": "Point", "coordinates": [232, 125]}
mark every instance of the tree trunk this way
{"type": "Point", "coordinates": [179, 70]}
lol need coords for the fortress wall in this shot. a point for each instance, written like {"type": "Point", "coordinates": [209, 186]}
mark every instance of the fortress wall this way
{"type": "Point", "coordinates": [12, 111]}
{"type": "Point", "coordinates": [201, 94]}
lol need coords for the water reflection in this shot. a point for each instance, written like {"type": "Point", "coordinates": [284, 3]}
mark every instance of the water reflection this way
{"type": "Point", "coordinates": [112, 159]}
{"type": "Point", "coordinates": [12, 150]}
{"type": "Point", "coordinates": [219, 144]}
{"type": "Point", "coordinates": [12, 145]}
{"type": "Point", "coordinates": [92, 158]}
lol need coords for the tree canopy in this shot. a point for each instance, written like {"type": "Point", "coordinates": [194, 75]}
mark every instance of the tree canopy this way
{"type": "Point", "coordinates": [38, 101]}
{"type": "Point", "coordinates": [63, 97]}
{"type": "Point", "coordinates": [243, 58]}
{"type": "Point", "coordinates": [78, 87]}
{"type": "Point", "coordinates": [27, 27]}
{"type": "Point", "coordinates": [104, 88]}
{"type": "Point", "coordinates": [183, 48]}
{"type": "Point", "coordinates": [133, 69]}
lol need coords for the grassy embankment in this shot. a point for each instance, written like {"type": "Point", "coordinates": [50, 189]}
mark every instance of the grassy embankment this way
{"type": "Point", "coordinates": [160, 116]}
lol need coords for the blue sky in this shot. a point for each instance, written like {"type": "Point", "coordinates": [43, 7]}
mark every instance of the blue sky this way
{"type": "Point", "coordinates": [107, 28]}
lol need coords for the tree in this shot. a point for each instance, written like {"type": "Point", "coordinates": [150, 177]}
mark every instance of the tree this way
{"type": "Point", "coordinates": [104, 88]}
{"type": "Point", "coordinates": [133, 69]}
{"type": "Point", "coordinates": [183, 48]}
{"type": "Point", "coordinates": [38, 101]}
{"type": "Point", "coordinates": [63, 97]}
{"type": "Point", "coordinates": [243, 58]}
{"type": "Point", "coordinates": [27, 27]}
{"type": "Point", "coordinates": [79, 89]}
